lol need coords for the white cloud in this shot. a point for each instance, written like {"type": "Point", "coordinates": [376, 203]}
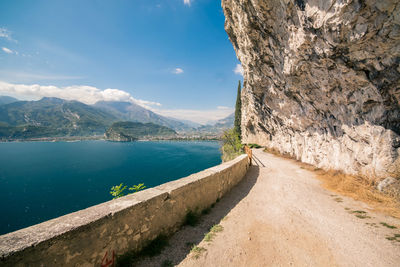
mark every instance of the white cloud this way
{"type": "Point", "coordinates": [199, 116]}
{"type": "Point", "coordinates": [4, 33]}
{"type": "Point", "coordinates": [83, 93]}
{"type": "Point", "coordinates": [7, 50]}
{"type": "Point", "coordinates": [177, 71]}
{"type": "Point", "coordinates": [90, 95]}
{"type": "Point", "coordinates": [238, 69]}
{"type": "Point", "coordinates": [186, 2]}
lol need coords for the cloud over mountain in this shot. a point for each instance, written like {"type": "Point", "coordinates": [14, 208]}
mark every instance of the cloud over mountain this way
{"type": "Point", "coordinates": [82, 93]}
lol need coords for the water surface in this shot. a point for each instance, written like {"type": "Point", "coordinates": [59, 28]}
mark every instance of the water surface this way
{"type": "Point", "coordinates": [43, 180]}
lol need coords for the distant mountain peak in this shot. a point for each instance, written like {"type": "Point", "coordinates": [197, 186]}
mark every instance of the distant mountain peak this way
{"type": "Point", "coordinates": [219, 126]}
{"type": "Point", "coordinates": [7, 100]}
{"type": "Point", "coordinates": [129, 111]}
{"type": "Point", "coordinates": [54, 100]}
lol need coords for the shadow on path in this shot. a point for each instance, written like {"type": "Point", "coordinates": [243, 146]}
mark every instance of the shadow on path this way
{"type": "Point", "coordinates": [257, 161]}
{"type": "Point", "coordinates": [182, 241]}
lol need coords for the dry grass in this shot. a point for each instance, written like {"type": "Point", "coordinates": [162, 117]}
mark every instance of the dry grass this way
{"type": "Point", "coordinates": [213, 231]}
{"type": "Point", "coordinates": [388, 225]}
{"type": "Point", "coordinates": [197, 251]}
{"type": "Point", "coordinates": [356, 187]}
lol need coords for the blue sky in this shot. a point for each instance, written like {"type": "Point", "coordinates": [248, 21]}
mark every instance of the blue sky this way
{"type": "Point", "coordinates": [172, 56]}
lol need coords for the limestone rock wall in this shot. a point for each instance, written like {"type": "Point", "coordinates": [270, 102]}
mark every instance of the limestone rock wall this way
{"type": "Point", "coordinates": [321, 80]}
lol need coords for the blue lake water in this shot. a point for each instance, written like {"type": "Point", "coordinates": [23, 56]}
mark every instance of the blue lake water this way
{"type": "Point", "coordinates": [43, 180]}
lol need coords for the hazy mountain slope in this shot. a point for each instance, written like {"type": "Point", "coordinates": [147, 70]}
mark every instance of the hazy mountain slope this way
{"type": "Point", "coordinates": [191, 124]}
{"type": "Point", "coordinates": [226, 122]}
{"type": "Point", "coordinates": [133, 112]}
{"type": "Point", "coordinates": [219, 126]}
{"type": "Point", "coordinates": [7, 100]}
{"type": "Point", "coordinates": [52, 117]}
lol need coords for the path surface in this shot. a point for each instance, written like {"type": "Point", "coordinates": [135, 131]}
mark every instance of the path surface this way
{"type": "Point", "coordinates": [279, 215]}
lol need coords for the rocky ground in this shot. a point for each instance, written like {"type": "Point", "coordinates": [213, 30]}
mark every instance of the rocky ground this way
{"type": "Point", "coordinates": [279, 215]}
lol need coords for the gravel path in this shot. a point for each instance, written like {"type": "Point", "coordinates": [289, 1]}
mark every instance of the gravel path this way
{"type": "Point", "coordinates": [279, 215]}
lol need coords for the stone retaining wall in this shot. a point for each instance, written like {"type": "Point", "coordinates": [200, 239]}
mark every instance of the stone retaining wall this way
{"type": "Point", "coordinates": [94, 236]}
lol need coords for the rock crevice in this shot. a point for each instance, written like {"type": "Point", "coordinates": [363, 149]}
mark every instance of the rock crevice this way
{"type": "Point", "coordinates": [321, 80]}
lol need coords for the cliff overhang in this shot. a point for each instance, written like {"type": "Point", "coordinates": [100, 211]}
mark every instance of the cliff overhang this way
{"type": "Point", "coordinates": [321, 80]}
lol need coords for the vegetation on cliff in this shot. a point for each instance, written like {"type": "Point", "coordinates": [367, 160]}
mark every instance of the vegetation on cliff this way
{"type": "Point", "coordinates": [231, 145]}
{"type": "Point", "coordinates": [238, 112]}
{"type": "Point", "coordinates": [231, 139]}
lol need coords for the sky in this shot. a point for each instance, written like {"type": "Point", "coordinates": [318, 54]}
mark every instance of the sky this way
{"type": "Point", "coordinates": [171, 56]}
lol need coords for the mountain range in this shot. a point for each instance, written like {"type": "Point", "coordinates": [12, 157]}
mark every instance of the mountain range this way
{"type": "Point", "coordinates": [54, 117]}
{"type": "Point", "coordinates": [51, 117]}
{"type": "Point", "coordinates": [7, 100]}
{"type": "Point", "coordinates": [219, 126]}
{"type": "Point", "coordinates": [128, 111]}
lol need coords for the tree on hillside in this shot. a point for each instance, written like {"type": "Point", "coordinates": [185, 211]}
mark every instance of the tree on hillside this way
{"type": "Point", "coordinates": [238, 111]}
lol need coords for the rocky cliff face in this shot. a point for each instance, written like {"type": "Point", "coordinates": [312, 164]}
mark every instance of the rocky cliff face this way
{"type": "Point", "coordinates": [321, 80]}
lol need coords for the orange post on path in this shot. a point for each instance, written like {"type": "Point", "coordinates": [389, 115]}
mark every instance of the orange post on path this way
{"type": "Point", "coordinates": [249, 152]}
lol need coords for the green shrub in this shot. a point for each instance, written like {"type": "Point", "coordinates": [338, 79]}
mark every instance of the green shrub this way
{"type": "Point", "coordinates": [231, 145]}
{"type": "Point", "coordinates": [213, 231]}
{"type": "Point", "coordinates": [197, 251]}
{"type": "Point", "coordinates": [117, 191]}
{"type": "Point", "coordinates": [254, 146]}
{"type": "Point", "coordinates": [238, 112]}
{"type": "Point", "coordinates": [137, 188]}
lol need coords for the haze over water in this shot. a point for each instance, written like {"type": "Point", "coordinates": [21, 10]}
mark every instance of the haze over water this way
{"type": "Point", "coordinates": [43, 180]}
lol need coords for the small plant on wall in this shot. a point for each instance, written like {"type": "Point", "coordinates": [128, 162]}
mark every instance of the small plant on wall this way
{"type": "Point", "coordinates": [137, 187]}
{"type": "Point", "coordinates": [118, 191]}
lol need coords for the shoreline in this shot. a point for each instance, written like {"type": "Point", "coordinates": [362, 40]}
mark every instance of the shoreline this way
{"type": "Point", "coordinates": [98, 138]}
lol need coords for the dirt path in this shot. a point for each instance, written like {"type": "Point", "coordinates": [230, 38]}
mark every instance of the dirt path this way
{"type": "Point", "coordinates": [281, 216]}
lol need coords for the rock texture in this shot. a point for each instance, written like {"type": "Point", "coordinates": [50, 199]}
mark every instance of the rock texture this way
{"type": "Point", "coordinates": [321, 80]}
